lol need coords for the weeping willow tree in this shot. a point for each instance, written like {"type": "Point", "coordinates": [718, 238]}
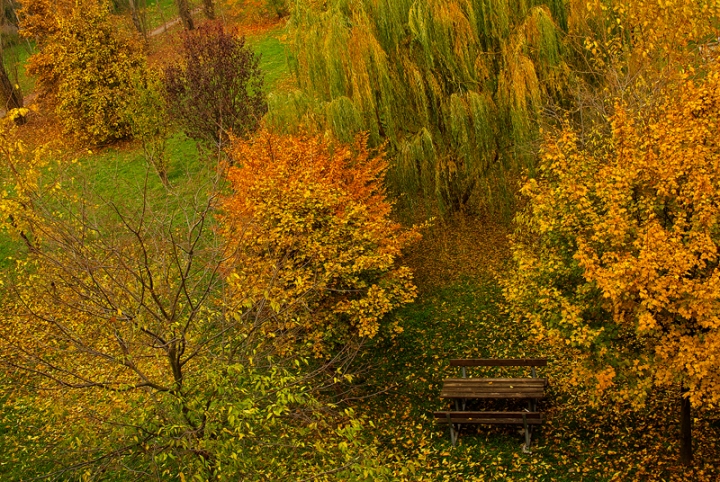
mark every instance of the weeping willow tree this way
{"type": "Point", "coordinates": [453, 86]}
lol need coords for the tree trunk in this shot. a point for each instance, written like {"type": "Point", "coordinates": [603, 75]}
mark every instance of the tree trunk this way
{"type": "Point", "coordinates": [12, 97]}
{"type": "Point", "coordinates": [184, 12]}
{"type": "Point", "coordinates": [209, 9]}
{"type": "Point", "coordinates": [686, 453]}
{"type": "Point", "coordinates": [137, 21]}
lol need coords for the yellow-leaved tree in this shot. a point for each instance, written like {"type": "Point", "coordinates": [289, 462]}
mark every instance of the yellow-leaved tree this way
{"type": "Point", "coordinates": [316, 250]}
{"type": "Point", "coordinates": [121, 353]}
{"type": "Point", "coordinates": [85, 65]}
{"type": "Point", "coordinates": [618, 250]}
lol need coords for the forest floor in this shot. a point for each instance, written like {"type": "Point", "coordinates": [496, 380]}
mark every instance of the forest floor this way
{"type": "Point", "coordinates": [460, 314]}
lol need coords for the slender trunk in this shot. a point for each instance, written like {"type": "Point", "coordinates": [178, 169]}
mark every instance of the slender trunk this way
{"type": "Point", "coordinates": [12, 97]}
{"type": "Point", "coordinates": [184, 12]}
{"type": "Point", "coordinates": [209, 9]}
{"type": "Point", "coordinates": [139, 24]}
{"type": "Point", "coordinates": [686, 453]}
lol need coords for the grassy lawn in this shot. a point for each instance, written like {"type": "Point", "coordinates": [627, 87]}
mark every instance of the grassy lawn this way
{"type": "Point", "coordinates": [15, 57]}
{"type": "Point", "coordinates": [273, 57]}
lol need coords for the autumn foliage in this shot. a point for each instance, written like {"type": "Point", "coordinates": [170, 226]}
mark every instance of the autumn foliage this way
{"type": "Point", "coordinates": [84, 67]}
{"type": "Point", "coordinates": [316, 246]}
{"type": "Point", "coordinates": [625, 263]}
{"type": "Point", "coordinates": [453, 87]}
{"type": "Point", "coordinates": [216, 89]}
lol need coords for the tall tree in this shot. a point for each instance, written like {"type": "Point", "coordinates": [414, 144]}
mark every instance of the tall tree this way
{"type": "Point", "coordinates": [209, 9]}
{"type": "Point", "coordinates": [455, 87]}
{"type": "Point", "coordinates": [626, 266]}
{"type": "Point", "coordinates": [617, 251]}
{"type": "Point", "coordinates": [11, 94]}
{"type": "Point", "coordinates": [185, 14]}
{"type": "Point", "coordinates": [138, 18]}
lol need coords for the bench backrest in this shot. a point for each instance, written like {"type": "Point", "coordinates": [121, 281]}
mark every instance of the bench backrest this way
{"type": "Point", "coordinates": [499, 362]}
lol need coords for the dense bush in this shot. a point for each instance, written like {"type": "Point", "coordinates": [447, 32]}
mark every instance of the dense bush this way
{"type": "Point", "coordinates": [316, 249]}
{"type": "Point", "coordinates": [85, 68]}
{"type": "Point", "coordinates": [216, 89]}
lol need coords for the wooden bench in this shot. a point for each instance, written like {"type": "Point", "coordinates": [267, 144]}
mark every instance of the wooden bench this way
{"type": "Point", "coordinates": [461, 390]}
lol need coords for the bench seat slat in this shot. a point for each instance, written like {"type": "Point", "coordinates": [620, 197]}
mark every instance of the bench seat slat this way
{"type": "Point", "coordinates": [490, 390]}
{"type": "Point", "coordinates": [494, 388]}
{"type": "Point", "coordinates": [531, 418]}
{"type": "Point", "coordinates": [478, 382]}
{"type": "Point", "coordinates": [497, 380]}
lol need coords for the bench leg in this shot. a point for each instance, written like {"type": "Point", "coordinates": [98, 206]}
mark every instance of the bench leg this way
{"type": "Point", "coordinates": [526, 447]}
{"type": "Point", "coordinates": [453, 432]}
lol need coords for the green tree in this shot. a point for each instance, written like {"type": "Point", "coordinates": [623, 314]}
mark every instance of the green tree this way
{"type": "Point", "coordinates": [454, 87]}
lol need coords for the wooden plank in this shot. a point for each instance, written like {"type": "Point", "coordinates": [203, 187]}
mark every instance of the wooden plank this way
{"type": "Point", "coordinates": [499, 362]}
{"type": "Point", "coordinates": [493, 388]}
{"type": "Point", "coordinates": [489, 413]}
{"type": "Point", "coordinates": [520, 382]}
{"type": "Point", "coordinates": [482, 389]}
{"type": "Point", "coordinates": [488, 389]}
{"type": "Point", "coordinates": [531, 418]}
{"type": "Point", "coordinates": [491, 421]}
{"type": "Point", "coordinates": [494, 395]}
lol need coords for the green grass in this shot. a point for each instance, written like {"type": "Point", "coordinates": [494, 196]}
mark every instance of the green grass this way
{"type": "Point", "coordinates": [158, 12]}
{"type": "Point", "coordinates": [9, 249]}
{"type": "Point", "coordinates": [118, 173]}
{"type": "Point", "coordinates": [15, 57]}
{"type": "Point", "coordinates": [273, 57]}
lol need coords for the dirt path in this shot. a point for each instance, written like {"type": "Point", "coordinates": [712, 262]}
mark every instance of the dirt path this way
{"type": "Point", "coordinates": [170, 23]}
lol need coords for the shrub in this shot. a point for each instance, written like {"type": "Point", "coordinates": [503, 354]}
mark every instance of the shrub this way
{"type": "Point", "coordinates": [217, 87]}
{"type": "Point", "coordinates": [85, 68]}
{"type": "Point", "coordinates": [316, 249]}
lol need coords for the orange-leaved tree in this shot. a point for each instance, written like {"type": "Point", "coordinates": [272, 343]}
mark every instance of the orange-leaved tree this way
{"type": "Point", "coordinates": [317, 250]}
{"type": "Point", "coordinates": [620, 246]}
